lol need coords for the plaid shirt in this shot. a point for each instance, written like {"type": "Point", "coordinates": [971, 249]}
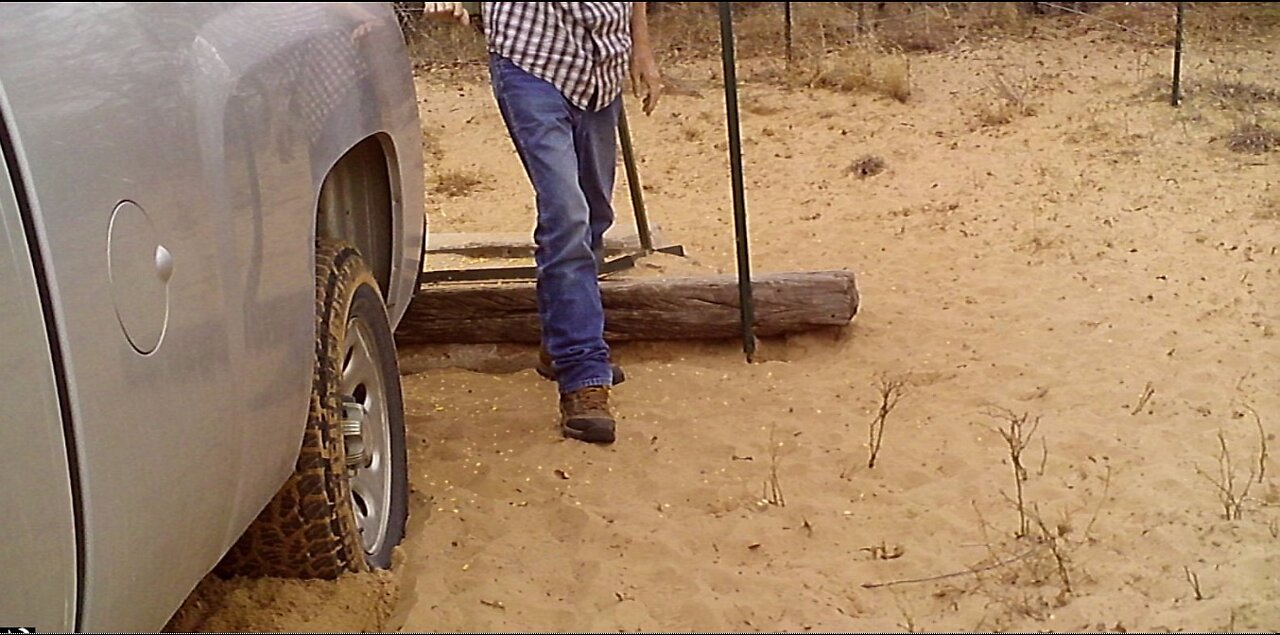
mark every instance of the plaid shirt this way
{"type": "Point", "coordinates": [581, 48]}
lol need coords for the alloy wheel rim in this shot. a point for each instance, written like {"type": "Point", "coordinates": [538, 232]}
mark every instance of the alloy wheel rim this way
{"type": "Point", "coordinates": [367, 434]}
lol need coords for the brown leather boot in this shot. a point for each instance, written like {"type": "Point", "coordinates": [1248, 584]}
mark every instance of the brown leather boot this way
{"type": "Point", "coordinates": [585, 415]}
{"type": "Point", "coordinates": [547, 371]}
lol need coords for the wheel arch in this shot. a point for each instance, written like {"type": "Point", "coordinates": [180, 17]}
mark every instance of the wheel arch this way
{"type": "Point", "coordinates": [358, 200]}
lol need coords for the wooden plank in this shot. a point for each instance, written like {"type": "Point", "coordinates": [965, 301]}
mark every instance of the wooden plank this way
{"type": "Point", "coordinates": [481, 245]}
{"type": "Point", "coordinates": [650, 309]}
{"type": "Point", "coordinates": [501, 272]}
{"type": "Point", "coordinates": [519, 245]}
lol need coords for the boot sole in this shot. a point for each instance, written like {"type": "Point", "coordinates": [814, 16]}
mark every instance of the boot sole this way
{"type": "Point", "coordinates": [594, 435]}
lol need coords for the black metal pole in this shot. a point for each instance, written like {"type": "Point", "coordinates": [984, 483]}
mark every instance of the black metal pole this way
{"type": "Point", "coordinates": [786, 11]}
{"type": "Point", "coordinates": [745, 301]}
{"type": "Point", "coordinates": [633, 181]}
{"type": "Point", "coordinates": [1176, 97]}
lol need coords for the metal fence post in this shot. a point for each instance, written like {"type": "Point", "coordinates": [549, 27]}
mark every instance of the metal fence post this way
{"type": "Point", "coordinates": [786, 11]}
{"type": "Point", "coordinates": [1176, 97]}
{"type": "Point", "coordinates": [745, 301]}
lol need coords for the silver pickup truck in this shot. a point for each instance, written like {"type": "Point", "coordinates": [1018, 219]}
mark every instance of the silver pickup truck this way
{"type": "Point", "coordinates": [211, 221]}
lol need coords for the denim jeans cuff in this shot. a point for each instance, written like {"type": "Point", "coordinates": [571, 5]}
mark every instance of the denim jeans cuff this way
{"type": "Point", "coordinates": [586, 383]}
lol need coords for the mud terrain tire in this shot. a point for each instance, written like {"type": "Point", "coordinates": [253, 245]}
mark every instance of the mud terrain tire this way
{"type": "Point", "coordinates": [310, 529]}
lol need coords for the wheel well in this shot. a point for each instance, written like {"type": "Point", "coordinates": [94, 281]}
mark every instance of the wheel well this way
{"type": "Point", "coordinates": [356, 206]}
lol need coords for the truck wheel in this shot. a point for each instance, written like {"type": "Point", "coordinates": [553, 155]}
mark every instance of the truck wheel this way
{"type": "Point", "coordinates": [346, 504]}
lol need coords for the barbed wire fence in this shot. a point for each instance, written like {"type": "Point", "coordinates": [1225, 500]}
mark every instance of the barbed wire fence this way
{"type": "Point", "coordinates": [805, 32]}
{"type": "Point", "coordinates": [944, 12]}
{"type": "Point", "coordinates": [864, 18]}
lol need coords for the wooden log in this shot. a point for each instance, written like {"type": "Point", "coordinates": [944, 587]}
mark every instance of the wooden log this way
{"type": "Point", "coordinates": [649, 309]}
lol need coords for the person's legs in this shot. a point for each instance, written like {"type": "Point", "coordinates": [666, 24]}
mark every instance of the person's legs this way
{"type": "Point", "coordinates": [596, 139]}
{"type": "Point", "coordinates": [541, 123]}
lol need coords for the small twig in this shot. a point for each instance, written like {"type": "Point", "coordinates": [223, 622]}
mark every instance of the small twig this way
{"type": "Point", "coordinates": [1016, 438]}
{"type": "Point", "coordinates": [1013, 95]}
{"type": "Point", "coordinates": [1147, 393]}
{"type": "Point", "coordinates": [1243, 378]}
{"type": "Point", "coordinates": [983, 526]}
{"type": "Point", "coordinates": [884, 551]}
{"type": "Point", "coordinates": [1262, 443]}
{"type": "Point", "coordinates": [1194, 581]}
{"type": "Point", "coordinates": [1059, 556]}
{"type": "Point", "coordinates": [891, 391]}
{"type": "Point", "coordinates": [955, 574]}
{"type": "Point", "coordinates": [773, 487]}
{"type": "Point", "coordinates": [1044, 456]}
{"type": "Point", "coordinates": [1106, 487]}
{"type": "Point", "coordinates": [1232, 501]}
{"type": "Point", "coordinates": [908, 619]}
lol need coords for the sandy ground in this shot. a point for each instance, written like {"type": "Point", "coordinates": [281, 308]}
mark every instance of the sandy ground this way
{"type": "Point", "coordinates": [1101, 264]}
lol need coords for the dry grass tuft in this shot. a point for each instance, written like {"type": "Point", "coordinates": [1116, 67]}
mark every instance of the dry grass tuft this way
{"type": "Point", "coordinates": [433, 43]}
{"type": "Point", "coordinates": [1253, 138]}
{"type": "Point", "coordinates": [1008, 101]}
{"type": "Point", "coordinates": [1241, 94]}
{"type": "Point", "coordinates": [1151, 19]}
{"type": "Point", "coordinates": [686, 30]}
{"type": "Point", "coordinates": [923, 35]}
{"type": "Point", "coordinates": [1001, 17]}
{"type": "Point", "coordinates": [868, 166]}
{"type": "Point", "coordinates": [760, 107]}
{"type": "Point", "coordinates": [431, 145]}
{"type": "Point", "coordinates": [459, 183]}
{"type": "Point", "coordinates": [862, 69]}
{"type": "Point", "coordinates": [997, 113]}
{"type": "Point", "coordinates": [895, 78]}
{"type": "Point", "coordinates": [1270, 209]}
{"type": "Point", "coordinates": [1229, 21]}
{"type": "Point", "coordinates": [691, 29]}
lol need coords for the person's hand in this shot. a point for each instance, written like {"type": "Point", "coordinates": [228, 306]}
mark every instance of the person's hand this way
{"type": "Point", "coordinates": [447, 11]}
{"type": "Point", "coordinates": [645, 80]}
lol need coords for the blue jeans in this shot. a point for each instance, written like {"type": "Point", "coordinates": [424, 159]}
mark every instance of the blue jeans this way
{"type": "Point", "coordinates": [569, 155]}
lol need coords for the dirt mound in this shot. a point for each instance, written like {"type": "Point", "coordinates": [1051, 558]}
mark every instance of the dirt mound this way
{"type": "Point", "coordinates": [356, 603]}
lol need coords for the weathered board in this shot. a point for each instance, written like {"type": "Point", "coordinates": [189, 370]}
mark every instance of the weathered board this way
{"type": "Point", "coordinates": [520, 245]}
